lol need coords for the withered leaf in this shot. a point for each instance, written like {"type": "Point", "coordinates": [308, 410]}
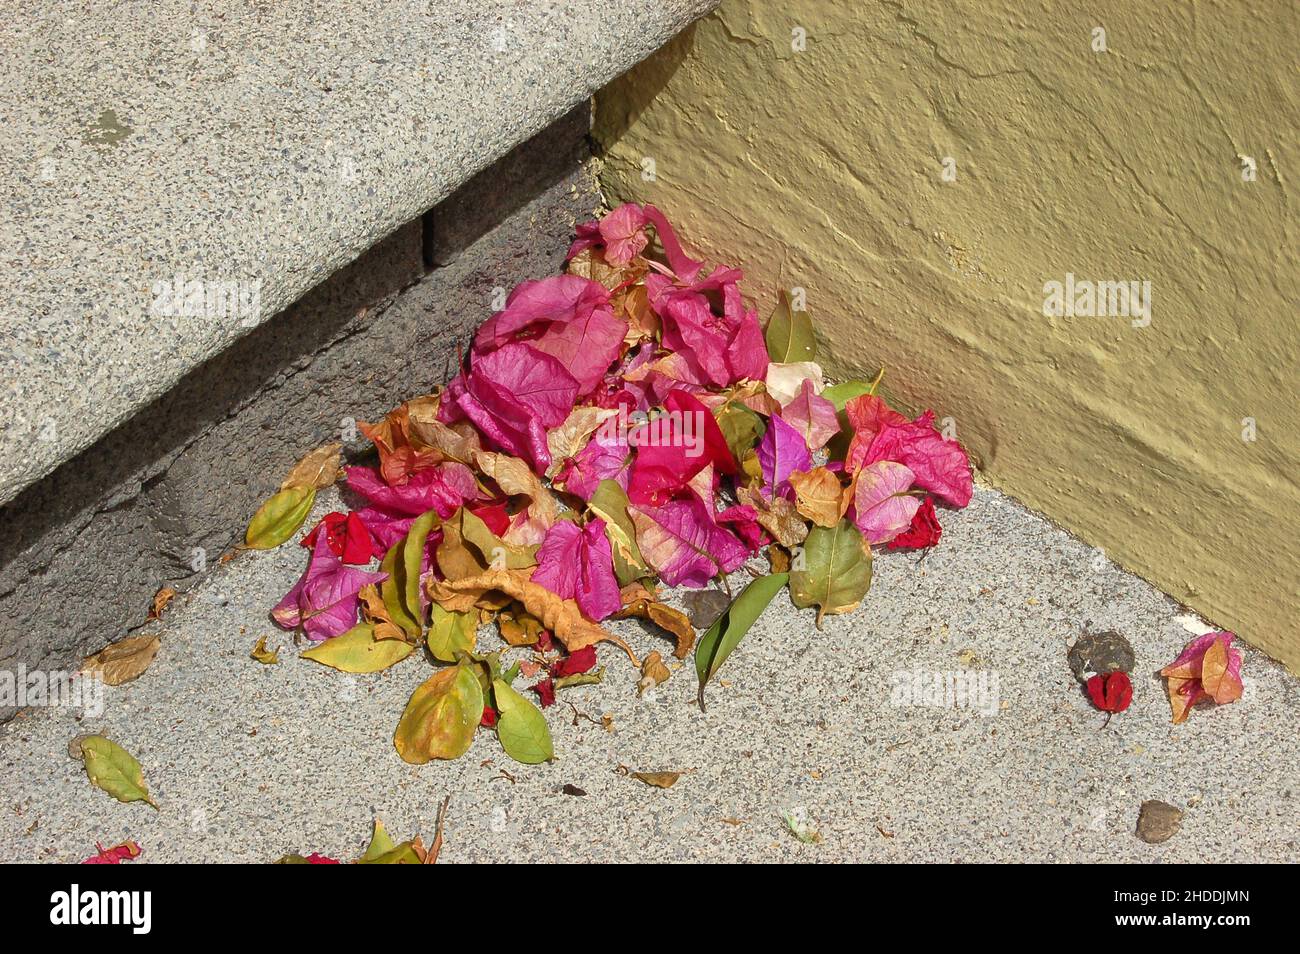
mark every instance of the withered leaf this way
{"type": "Point", "coordinates": [653, 672]}
{"type": "Point", "coordinates": [571, 436]}
{"type": "Point", "coordinates": [819, 496]}
{"type": "Point", "coordinates": [160, 601]}
{"type": "Point", "coordinates": [666, 618]}
{"type": "Point", "coordinates": [776, 515]}
{"type": "Point", "coordinates": [655, 779]}
{"type": "Point", "coordinates": [834, 572]}
{"type": "Point", "coordinates": [318, 469]}
{"type": "Point", "coordinates": [705, 606]}
{"type": "Point", "coordinates": [374, 611]}
{"type": "Point", "coordinates": [267, 657]}
{"type": "Point", "coordinates": [122, 661]}
{"type": "Point", "coordinates": [561, 617]}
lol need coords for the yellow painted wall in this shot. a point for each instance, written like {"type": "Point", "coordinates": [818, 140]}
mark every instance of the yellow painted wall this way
{"type": "Point", "coordinates": [823, 168]}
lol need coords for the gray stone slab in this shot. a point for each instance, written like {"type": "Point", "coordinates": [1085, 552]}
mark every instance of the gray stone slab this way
{"type": "Point", "coordinates": [257, 149]}
{"type": "Point", "coordinates": [249, 761]}
{"type": "Point", "coordinates": [159, 498]}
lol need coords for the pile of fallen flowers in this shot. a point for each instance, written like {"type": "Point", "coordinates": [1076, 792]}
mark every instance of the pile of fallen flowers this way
{"type": "Point", "coordinates": [622, 426]}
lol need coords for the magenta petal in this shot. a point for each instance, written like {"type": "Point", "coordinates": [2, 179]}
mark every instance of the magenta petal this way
{"type": "Point", "coordinates": [325, 596]}
{"type": "Point", "coordinates": [607, 456]}
{"type": "Point", "coordinates": [882, 507]}
{"type": "Point", "coordinates": [565, 316]}
{"type": "Point", "coordinates": [442, 488]}
{"type": "Point", "coordinates": [781, 452]}
{"type": "Point", "coordinates": [557, 559]}
{"type": "Point", "coordinates": [598, 593]}
{"type": "Point", "coordinates": [940, 465]}
{"type": "Point", "coordinates": [812, 416]}
{"type": "Point", "coordinates": [682, 264]}
{"type": "Point", "coordinates": [577, 563]}
{"type": "Point", "coordinates": [684, 544]}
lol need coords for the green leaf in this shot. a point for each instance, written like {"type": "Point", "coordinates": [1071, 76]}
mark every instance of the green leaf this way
{"type": "Point", "coordinates": [741, 427]}
{"type": "Point", "coordinates": [393, 590]}
{"type": "Point", "coordinates": [833, 572]}
{"type": "Point", "coordinates": [610, 503]}
{"type": "Point", "coordinates": [380, 842]}
{"type": "Point", "coordinates": [728, 629]}
{"type": "Point", "coordinates": [789, 333]}
{"type": "Point", "coordinates": [451, 633]}
{"type": "Point", "coordinates": [279, 518]}
{"type": "Point", "coordinates": [403, 854]}
{"type": "Point", "coordinates": [412, 558]}
{"type": "Point", "coordinates": [357, 650]}
{"type": "Point", "coordinates": [844, 392]}
{"type": "Point", "coordinates": [441, 717]}
{"type": "Point", "coordinates": [521, 727]}
{"type": "Point", "coordinates": [115, 770]}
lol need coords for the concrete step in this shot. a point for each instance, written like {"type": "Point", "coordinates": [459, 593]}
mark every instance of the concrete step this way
{"type": "Point", "coordinates": [371, 177]}
{"type": "Point", "coordinates": [248, 762]}
{"type": "Point", "coordinates": [256, 153]}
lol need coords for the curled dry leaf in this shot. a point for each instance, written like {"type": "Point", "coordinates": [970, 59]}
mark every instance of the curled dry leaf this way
{"type": "Point", "coordinates": [122, 661]}
{"type": "Point", "coordinates": [160, 601]}
{"type": "Point", "coordinates": [570, 437]}
{"type": "Point", "coordinates": [516, 478]}
{"type": "Point", "coordinates": [561, 617]}
{"type": "Point", "coordinates": [267, 657]}
{"type": "Point", "coordinates": [666, 618]}
{"type": "Point", "coordinates": [653, 779]}
{"type": "Point", "coordinates": [375, 612]}
{"type": "Point", "coordinates": [819, 496]}
{"type": "Point", "coordinates": [776, 515]}
{"type": "Point", "coordinates": [319, 469]}
{"type": "Point", "coordinates": [653, 672]}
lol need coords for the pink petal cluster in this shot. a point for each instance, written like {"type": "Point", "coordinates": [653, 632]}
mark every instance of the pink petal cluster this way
{"type": "Point", "coordinates": [324, 601]}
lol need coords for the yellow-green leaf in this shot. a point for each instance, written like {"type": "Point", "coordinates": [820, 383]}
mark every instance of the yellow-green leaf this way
{"type": "Point", "coordinates": [115, 770]}
{"type": "Point", "coordinates": [521, 727]}
{"type": "Point", "coordinates": [393, 590]}
{"type": "Point", "coordinates": [279, 518]}
{"type": "Point", "coordinates": [451, 633]}
{"type": "Point", "coordinates": [833, 572]}
{"type": "Point", "coordinates": [380, 843]}
{"type": "Point", "coordinates": [412, 558]}
{"type": "Point", "coordinates": [789, 333]}
{"type": "Point", "coordinates": [610, 503]}
{"type": "Point", "coordinates": [441, 717]}
{"type": "Point", "coordinates": [358, 651]}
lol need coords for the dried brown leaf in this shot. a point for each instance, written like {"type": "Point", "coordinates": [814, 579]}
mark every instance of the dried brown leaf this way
{"type": "Point", "coordinates": [561, 617]}
{"type": "Point", "coordinates": [666, 618]}
{"type": "Point", "coordinates": [318, 469]}
{"type": "Point", "coordinates": [819, 496]}
{"type": "Point", "coordinates": [122, 661]}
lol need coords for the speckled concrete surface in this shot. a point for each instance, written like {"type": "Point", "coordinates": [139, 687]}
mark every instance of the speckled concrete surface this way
{"type": "Point", "coordinates": [250, 761]}
{"type": "Point", "coordinates": [147, 140]}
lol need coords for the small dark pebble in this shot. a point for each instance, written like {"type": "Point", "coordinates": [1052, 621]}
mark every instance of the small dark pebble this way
{"type": "Point", "coordinates": [573, 790]}
{"type": "Point", "coordinates": [1098, 654]}
{"type": "Point", "coordinates": [1158, 821]}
